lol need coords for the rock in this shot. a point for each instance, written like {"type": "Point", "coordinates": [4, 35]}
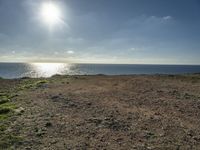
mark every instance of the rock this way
{"type": "Point", "coordinates": [55, 97]}
{"type": "Point", "coordinates": [54, 141]}
{"type": "Point", "coordinates": [19, 110]}
{"type": "Point", "coordinates": [40, 132]}
{"type": "Point", "coordinates": [48, 124]}
{"type": "Point", "coordinates": [148, 134]}
{"type": "Point", "coordinates": [89, 103]}
{"type": "Point", "coordinates": [196, 138]}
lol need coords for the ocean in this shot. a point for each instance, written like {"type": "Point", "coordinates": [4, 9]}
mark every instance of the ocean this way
{"type": "Point", "coordinates": [35, 70]}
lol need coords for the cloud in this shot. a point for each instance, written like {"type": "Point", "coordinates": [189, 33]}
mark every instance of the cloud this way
{"type": "Point", "coordinates": [145, 21]}
{"type": "Point", "coordinates": [167, 17]}
{"type": "Point", "coordinates": [132, 49]}
{"type": "Point", "coordinates": [159, 19]}
{"type": "Point", "coordinates": [70, 52]}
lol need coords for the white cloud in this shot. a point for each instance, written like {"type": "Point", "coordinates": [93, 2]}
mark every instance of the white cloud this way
{"type": "Point", "coordinates": [135, 49]}
{"type": "Point", "coordinates": [145, 22]}
{"type": "Point", "coordinates": [167, 17]}
{"type": "Point", "coordinates": [132, 49]}
{"type": "Point", "coordinates": [13, 52]}
{"type": "Point", "coordinates": [159, 19]}
{"type": "Point", "coordinates": [70, 52]}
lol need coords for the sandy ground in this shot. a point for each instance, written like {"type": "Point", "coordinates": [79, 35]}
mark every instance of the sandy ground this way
{"type": "Point", "coordinates": [106, 112]}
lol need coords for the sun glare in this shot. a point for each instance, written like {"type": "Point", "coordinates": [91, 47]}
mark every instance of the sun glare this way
{"type": "Point", "coordinates": [50, 13]}
{"type": "Point", "coordinates": [49, 69]}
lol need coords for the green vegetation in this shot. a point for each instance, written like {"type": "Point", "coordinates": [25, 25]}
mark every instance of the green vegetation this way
{"type": "Point", "coordinates": [2, 128]}
{"type": "Point", "coordinates": [3, 117]}
{"type": "Point", "coordinates": [7, 110]}
{"type": "Point", "coordinates": [9, 140]}
{"type": "Point", "coordinates": [2, 94]}
{"type": "Point", "coordinates": [8, 105]}
{"type": "Point", "coordinates": [4, 110]}
{"type": "Point", "coordinates": [31, 85]}
{"type": "Point", "coordinates": [4, 101]}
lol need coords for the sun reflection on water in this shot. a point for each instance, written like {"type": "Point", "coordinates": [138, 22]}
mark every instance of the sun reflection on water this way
{"type": "Point", "coordinates": [48, 69]}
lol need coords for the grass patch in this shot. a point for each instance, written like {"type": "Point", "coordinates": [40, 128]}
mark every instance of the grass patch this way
{"type": "Point", "coordinates": [4, 101]}
{"type": "Point", "coordinates": [4, 96]}
{"type": "Point", "coordinates": [12, 96]}
{"type": "Point", "coordinates": [40, 83]}
{"type": "Point", "coordinates": [32, 85]}
{"type": "Point", "coordinates": [3, 117]}
{"type": "Point", "coordinates": [8, 141]}
{"type": "Point", "coordinates": [4, 110]}
{"type": "Point", "coordinates": [8, 105]}
{"type": "Point", "coordinates": [5, 106]}
{"type": "Point", "coordinates": [2, 128]}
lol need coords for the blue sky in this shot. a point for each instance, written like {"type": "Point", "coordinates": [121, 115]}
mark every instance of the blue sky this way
{"type": "Point", "coordinates": [102, 31]}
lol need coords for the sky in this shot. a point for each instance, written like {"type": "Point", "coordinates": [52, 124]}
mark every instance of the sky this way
{"type": "Point", "coordinates": [101, 31]}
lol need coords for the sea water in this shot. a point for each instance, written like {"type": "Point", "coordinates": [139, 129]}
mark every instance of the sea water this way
{"type": "Point", "coordinates": [18, 70]}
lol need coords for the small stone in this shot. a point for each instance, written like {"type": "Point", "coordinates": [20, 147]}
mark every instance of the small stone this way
{"type": "Point", "coordinates": [54, 142]}
{"type": "Point", "coordinates": [19, 110]}
{"type": "Point", "coordinates": [48, 124]}
{"type": "Point", "coordinates": [55, 97]}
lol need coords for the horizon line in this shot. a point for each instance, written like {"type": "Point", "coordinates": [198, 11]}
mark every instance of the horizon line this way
{"type": "Point", "coordinates": [62, 62]}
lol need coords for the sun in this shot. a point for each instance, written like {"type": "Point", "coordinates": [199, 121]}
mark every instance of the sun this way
{"type": "Point", "coordinates": [50, 13]}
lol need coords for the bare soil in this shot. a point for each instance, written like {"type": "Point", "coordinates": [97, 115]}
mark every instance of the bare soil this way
{"type": "Point", "coordinates": [106, 112]}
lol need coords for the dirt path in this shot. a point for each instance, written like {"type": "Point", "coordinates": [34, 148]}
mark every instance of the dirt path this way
{"type": "Point", "coordinates": [108, 112]}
